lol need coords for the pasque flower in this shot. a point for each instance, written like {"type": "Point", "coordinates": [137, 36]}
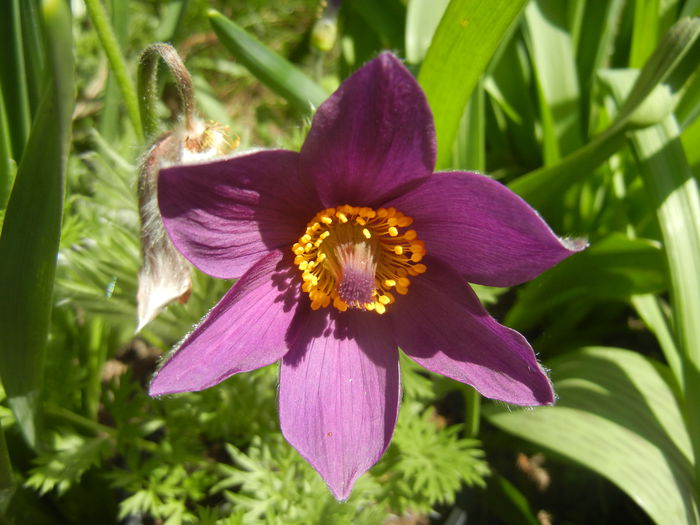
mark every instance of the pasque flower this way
{"type": "Point", "coordinates": [344, 252]}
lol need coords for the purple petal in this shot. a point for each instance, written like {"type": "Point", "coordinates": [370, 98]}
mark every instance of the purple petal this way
{"type": "Point", "coordinates": [374, 134]}
{"type": "Point", "coordinates": [246, 330]}
{"type": "Point", "coordinates": [224, 216]}
{"type": "Point", "coordinates": [441, 325]}
{"type": "Point", "coordinates": [339, 394]}
{"type": "Point", "coordinates": [482, 229]}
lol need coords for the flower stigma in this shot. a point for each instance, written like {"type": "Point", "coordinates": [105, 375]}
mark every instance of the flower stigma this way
{"type": "Point", "coordinates": [357, 257]}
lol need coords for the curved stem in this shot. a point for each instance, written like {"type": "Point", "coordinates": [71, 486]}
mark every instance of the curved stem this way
{"type": "Point", "coordinates": [148, 87]}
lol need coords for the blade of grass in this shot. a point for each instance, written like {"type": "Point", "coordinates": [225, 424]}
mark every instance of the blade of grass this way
{"type": "Point", "coordinates": [422, 19]}
{"type": "Point", "coordinates": [271, 69]}
{"type": "Point", "coordinates": [6, 162]}
{"type": "Point", "coordinates": [117, 62]}
{"type": "Point", "coordinates": [13, 78]}
{"type": "Point", "coordinates": [670, 62]}
{"type": "Point", "coordinates": [618, 416]}
{"type": "Point", "coordinates": [676, 198]}
{"type": "Point", "coordinates": [644, 31]}
{"type": "Point", "coordinates": [552, 55]}
{"type": "Point", "coordinates": [470, 144]}
{"type": "Point", "coordinates": [469, 28]}
{"type": "Point", "coordinates": [7, 483]}
{"type": "Point", "coordinates": [31, 231]}
{"type": "Point", "coordinates": [109, 117]}
{"type": "Point", "coordinates": [33, 52]}
{"type": "Point", "coordinates": [649, 310]}
{"type": "Point", "coordinates": [171, 21]}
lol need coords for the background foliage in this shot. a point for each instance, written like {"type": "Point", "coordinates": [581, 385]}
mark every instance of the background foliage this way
{"type": "Point", "coordinates": [586, 109]}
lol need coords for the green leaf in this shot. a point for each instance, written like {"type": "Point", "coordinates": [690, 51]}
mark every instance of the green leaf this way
{"type": "Point", "coordinates": [469, 28]}
{"type": "Point", "coordinates": [422, 19]}
{"type": "Point", "coordinates": [675, 196]}
{"type": "Point", "coordinates": [470, 145]}
{"type": "Point", "coordinates": [556, 78]}
{"type": "Point", "coordinates": [117, 62]}
{"type": "Point", "coordinates": [270, 68]}
{"type": "Point", "coordinates": [7, 484]}
{"type": "Point", "coordinates": [617, 416]}
{"type": "Point", "coordinates": [6, 162]}
{"type": "Point", "coordinates": [650, 311]}
{"type": "Point", "coordinates": [31, 231]}
{"type": "Point", "coordinates": [671, 64]}
{"type": "Point", "coordinates": [613, 268]}
{"type": "Point", "coordinates": [12, 77]}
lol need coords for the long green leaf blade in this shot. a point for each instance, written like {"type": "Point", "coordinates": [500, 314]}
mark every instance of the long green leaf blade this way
{"type": "Point", "coordinates": [270, 68]}
{"type": "Point", "coordinates": [617, 416]}
{"type": "Point", "coordinates": [31, 230]}
{"type": "Point", "coordinates": [464, 42]}
{"type": "Point", "coordinates": [7, 483]}
{"type": "Point", "coordinates": [669, 64]}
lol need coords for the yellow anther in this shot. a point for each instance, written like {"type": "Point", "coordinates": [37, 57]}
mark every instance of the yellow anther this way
{"type": "Point", "coordinates": [419, 268]}
{"type": "Point", "coordinates": [340, 304]}
{"type": "Point", "coordinates": [368, 241]}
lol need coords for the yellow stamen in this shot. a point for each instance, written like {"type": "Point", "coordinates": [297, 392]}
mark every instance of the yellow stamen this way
{"type": "Point", "coordinates": [352, 256]}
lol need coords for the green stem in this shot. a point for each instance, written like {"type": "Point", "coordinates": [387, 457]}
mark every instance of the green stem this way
{"type": "Point", "coordinates": [117, 62]}
{"type": "Point", "coordinates": [148, 86]}
{"type": "Point", "coordinates": [472, 416]}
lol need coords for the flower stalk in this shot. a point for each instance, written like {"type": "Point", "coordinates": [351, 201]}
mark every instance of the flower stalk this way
{"type": "Point", "coordinates": [148, 86]}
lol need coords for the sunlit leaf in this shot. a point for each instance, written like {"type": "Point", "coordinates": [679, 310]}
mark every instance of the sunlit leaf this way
{"type": "Point", "coordinates": [617, 416]}
{"type": "Point", "coordinates": [469, 28]}
{"type": "Point", "coordinates": [31, 230]}
{"type": "Point", "coordinates": [271, 69]}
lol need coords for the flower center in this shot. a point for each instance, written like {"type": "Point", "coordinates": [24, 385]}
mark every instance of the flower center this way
{"type": "Point", "coordinates": [353, 257]}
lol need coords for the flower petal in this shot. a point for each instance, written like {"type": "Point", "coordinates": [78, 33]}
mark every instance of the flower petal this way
{"type": "Point", "coordinates": [374, 134]}
{"type": "Point", "coordinates": [441, 325]}
{"type": "Point", "coordinates": [246, 330]}
{"type": "Point", "coordinates": [482, 229]}
{"type": "Point", "coordinates": [224, 216]}
{"type": "Point", "coordinates": [339, 394]}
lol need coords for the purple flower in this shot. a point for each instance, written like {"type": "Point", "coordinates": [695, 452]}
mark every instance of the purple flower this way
{"type": "Point", "coordinates": [344, 252]}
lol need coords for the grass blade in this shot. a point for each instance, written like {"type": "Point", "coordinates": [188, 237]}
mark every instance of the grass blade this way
{"type": "Point", "coordinates": [555, 74]}
{"type": "Point", "coordinates": [469, 28]}
{"type": "Point", "coordinates": [671, 63]}
{"type": "Point", "coordinates": [13, 78]}
{"type": "Point", "coordinates": [617, 416]}
{"type": "Point", "coordinates": [31, 231]}
{"type": "Point", "coordinates": [676, 198]}
{"type": "Point", "coordinates": [422, 19]}
{"type": "Point", "coordinates": [271, 69]}
{"type": "Point", "coordinates": [7, 484]}
{"type": "Point", "coordinates": [109, 42]}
